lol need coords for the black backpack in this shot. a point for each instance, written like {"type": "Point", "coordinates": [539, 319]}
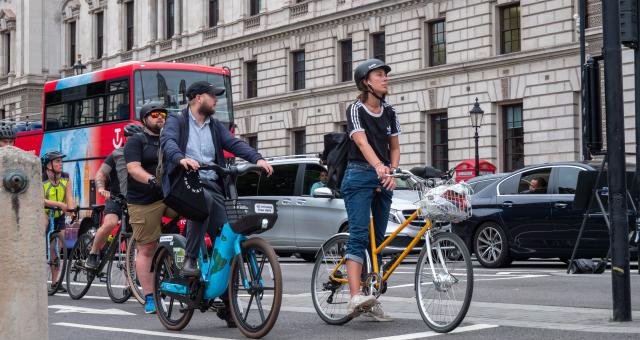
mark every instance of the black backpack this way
{"type": "Point", "coordinates": [334, 156]}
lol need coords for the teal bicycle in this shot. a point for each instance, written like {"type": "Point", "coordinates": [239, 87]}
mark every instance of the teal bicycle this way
{"type": "Point", "coordinates": [246, 269]}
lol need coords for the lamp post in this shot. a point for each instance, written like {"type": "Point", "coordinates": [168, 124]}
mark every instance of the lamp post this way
{"type": "Point", "coordinates": [476, 119]}
{"type": "Point", "coordinates": [79, 67]}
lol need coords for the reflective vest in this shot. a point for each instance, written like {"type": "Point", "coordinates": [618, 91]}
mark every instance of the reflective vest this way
{"type": "Point", "coordinates": [55, 192]}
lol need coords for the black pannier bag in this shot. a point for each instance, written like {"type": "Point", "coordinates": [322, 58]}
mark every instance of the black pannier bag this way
{"type": "Point", "coordinates": [186, 195]}
{"type": "Point", "coordinates": [251, 216]}
{"type": "Point", "coordinates": [335, 157]}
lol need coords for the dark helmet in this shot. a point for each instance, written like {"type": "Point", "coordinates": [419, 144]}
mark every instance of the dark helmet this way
{"type": "Point", "coordinates": [7, 132]}
{"type": "Point", "coordinates": [132, 128]}
{"type": "Point", "coordinates": [50, 156]}
{"type": "Point", "coordinates": [151, 107]}
{"type": "Point", "coordinates": [362, 71]}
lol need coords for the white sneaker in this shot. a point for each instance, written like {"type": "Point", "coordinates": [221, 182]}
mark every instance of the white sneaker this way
{"type": "Point", "coordinates": [378, 313]}
{"type": "Point", "coordinates": [360, 302]}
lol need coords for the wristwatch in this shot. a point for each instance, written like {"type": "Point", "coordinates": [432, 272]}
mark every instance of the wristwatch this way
{"type": "Point", "coordinates": [152, 182]}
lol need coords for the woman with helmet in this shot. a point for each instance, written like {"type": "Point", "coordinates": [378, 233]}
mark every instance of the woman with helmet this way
{"type": "Point", "coordinates": [7, 136]}
{"type": "Point", "coordinates": [57, 194]}
{"type": "Point", "coordinates": [114, 169]}
{"type": "Point", "coordinates": [374, 152]}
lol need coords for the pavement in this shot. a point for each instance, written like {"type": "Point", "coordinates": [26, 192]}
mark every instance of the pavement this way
{"type": "Point", "coordinates": [529, 300]}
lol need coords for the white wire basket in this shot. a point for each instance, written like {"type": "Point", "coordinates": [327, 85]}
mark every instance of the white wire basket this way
{"type": "Point", "coordinates": [445, 201]}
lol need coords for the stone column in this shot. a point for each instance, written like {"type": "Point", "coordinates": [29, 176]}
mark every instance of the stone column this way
{"type": "Point", "coordinates": [161, 18]}
{"type": "Point", "coordinates": [23, 292]}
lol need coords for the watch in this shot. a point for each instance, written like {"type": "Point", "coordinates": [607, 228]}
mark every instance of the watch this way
{"type": "Point", "coordinates": [152, 181]}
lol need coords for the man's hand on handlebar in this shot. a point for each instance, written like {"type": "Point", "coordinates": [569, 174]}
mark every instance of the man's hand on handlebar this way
{"type": "Point", "coordinates": [104, 193]}
{"type": "Point", "coordinates": [189, 163]}
{"type": "Point", "coordinates": [266, 166]}
{"type": "Point", "coordinates": [387, 181]}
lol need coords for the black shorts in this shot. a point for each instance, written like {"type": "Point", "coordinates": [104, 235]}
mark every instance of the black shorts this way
{"type": "Point", "coordinates": [112, 207]}
{"type": "Point", "coordinates": [58, 224]}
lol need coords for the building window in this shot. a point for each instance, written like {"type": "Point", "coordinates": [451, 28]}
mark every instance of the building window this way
{"type": "Point", "coordinates": [170, 19]}
{"type": "Point", "coordinates": [99, 35]}
{"type": "Point", "coordinates": [346, 60]}
{"type": "Point", "coordinates": [377, 41]}
{"type": "Point", "coordinates": [214, 12]}
{"type": "Point", "coordinates": [440, 141]}
{"type": "Point", "coordinates": [254, 7]}
{"type": "Point", "coordinates": [437, 43]}
{"type": "Point", "coordinates": [510, 29]}
{"type": "Point", "coordinates": [129, 18]}
{"type": "Point", "coordinates": [252, 140]}
{"type": "Point", "coordinates": [252, 78]}
{"type": "Point", "coordinates": [7, 56]}
{"type": "Point", "coordinates": [72, 43]}
{"type": "Point", "coordinates": [513, 137]}
{"type": "Point", "coordinates": [299, 142]}
{"type": "Point", "coordinates": [298, 70]}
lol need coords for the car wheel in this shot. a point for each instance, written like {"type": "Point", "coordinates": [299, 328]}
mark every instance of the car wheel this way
{"type": "Point", "coordinates": [491, 246]}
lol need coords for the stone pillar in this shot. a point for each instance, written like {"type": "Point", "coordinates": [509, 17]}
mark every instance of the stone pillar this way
{"type": "Point", "coordinates": [23, 292]}
{"type": "Point", "coordinates": [161, 19]}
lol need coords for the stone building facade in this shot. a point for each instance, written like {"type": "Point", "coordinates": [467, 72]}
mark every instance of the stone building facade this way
{"type": "Point", "coordinates": [291, 62]}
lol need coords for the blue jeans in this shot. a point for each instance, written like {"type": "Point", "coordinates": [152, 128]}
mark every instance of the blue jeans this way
{"type": "Point", "coordinates": [362, 202]}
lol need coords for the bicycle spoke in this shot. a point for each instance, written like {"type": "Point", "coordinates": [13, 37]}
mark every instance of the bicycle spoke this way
{"type": "Point", "coordinates": [248, 308]}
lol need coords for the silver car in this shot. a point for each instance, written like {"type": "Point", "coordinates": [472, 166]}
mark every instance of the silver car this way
{"type": "Point", "coordinates": [306, 220]}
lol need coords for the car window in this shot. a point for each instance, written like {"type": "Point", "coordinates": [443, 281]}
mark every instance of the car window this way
{"type": "Point", "coordinates": [567, 179]}
{"type": "Point", "coordinates": [247, 184]}
{"type": "Point", "coordinates": [509, 186]}
{"type": "Point", "coordinates": [312, 180]}
{"type": "Point", "coordinates": [281, 183]}
{"type": "Point", "coordinates": [534, 182]}
{"type": "Point", "coordinates": [481, 185]}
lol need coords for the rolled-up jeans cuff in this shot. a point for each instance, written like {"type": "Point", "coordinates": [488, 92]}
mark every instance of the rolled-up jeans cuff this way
{"type": "Point", "coordinates": [355, 258]}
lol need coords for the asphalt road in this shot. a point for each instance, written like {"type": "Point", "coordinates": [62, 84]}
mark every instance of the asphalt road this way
{"type": "Point", "coordinates": [529, 300]}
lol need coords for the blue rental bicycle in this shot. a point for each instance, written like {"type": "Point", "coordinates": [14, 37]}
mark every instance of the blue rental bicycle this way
{"type": "Point", "coordinates": [246, 269]}
{"type": "Point", "coordinates": [56, 250]}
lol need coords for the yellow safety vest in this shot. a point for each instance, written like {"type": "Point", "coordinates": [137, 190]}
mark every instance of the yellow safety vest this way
{"type": "Point", "coordinates": [55, 193]}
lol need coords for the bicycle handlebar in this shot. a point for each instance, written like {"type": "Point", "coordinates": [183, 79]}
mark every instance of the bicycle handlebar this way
{"type": "Point", "coordinates": [232, 170]}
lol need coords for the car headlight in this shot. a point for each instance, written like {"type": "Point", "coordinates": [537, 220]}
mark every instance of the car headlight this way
{"type": "Point", "coordinates": [394, 216]}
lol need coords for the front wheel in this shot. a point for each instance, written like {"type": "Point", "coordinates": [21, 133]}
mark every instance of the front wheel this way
{"type": "Point", "coordinates": [117, 285]}
{"type": "Point", "coordinates": [444, 282]}
{"type": "Point", "coordinates": [79, 278]}
{"type": "Point", "coordinates": [56, 263]}
{"type": "Point", "coordinates": [255, 288]}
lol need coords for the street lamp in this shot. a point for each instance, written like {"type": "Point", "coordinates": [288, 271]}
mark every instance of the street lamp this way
{"type": "Point", "coordinates": [476, 120]}
{"type": "Point", "coordinates": [79, 67]}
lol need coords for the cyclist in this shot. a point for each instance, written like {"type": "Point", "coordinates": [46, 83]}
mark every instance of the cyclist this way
{"type": "Point", "coordinates": [57, 194]}
{"type": "Point", "coordinates": [374, 152]}
{"type": "Point", "coordinates": [114, 168]}
{"type": "Point", "coordinates": [195, 137]}
{"type": "Point", "coordinates": [7, 136]}
{"type": "Point", "coordinates": [144, 196]}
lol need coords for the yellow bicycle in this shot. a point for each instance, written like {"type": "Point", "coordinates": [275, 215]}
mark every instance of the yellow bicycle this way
{"type": "Point", "coordinates": [444, 273]}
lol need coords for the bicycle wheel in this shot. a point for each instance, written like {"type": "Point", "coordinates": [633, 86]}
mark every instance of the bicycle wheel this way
{"type": "Point", "coordinates": [79, 278]}
{"type": "Point", "coordinates": [330, 297]}
{"type": "Point", "coordinates": [130, 268]}
{"type": "Point", "coordinates": [444, 290]}
{"type": "Point", "coordinates": [255, 309]}
{"type": "Point", "coordinates": [117, 285]}
{"type": "Point", "coordinates": [173, 313]}
{"type": "Point", "coordinates": [57, 263]}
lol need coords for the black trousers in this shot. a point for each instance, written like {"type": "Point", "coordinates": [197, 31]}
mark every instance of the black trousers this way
{"type": "Point", "coordinates": [214, 197]}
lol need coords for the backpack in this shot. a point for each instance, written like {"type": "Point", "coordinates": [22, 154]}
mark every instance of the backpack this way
{"type": "Point", "coordinates": [335, 157]}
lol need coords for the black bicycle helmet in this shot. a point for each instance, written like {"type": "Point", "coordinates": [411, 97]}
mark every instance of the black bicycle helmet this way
{"type": "Point", "coordinates": [50, 156]}
{"type": "Point", "coordinates": [7, 132]}
{"type": "Point", "coordinates": [362, 71]}
{"type": "Point", "coordinates": [132, 128]}
{"type": "Point", "coordinates": [151, 107]}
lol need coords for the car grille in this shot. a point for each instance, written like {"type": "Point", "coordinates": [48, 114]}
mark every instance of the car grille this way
{"type": "Point", "coordinates": [418, 221]}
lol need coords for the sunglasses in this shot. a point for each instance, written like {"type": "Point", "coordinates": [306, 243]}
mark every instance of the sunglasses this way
{"type": "Point", "coordinates": [157, 114]}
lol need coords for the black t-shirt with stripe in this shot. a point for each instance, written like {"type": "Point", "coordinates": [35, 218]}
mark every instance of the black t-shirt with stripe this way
{"type": "Point", "coordinates": [378, 127]}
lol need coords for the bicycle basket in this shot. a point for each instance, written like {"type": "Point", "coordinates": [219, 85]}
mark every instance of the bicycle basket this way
{"type": "Point", "coordinates": [251, 216]}
{"type": "Point", "coordinates": [447, 202]}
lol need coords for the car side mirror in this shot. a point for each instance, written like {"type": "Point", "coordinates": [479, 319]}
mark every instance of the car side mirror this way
{"type": "Point", "coordinates": [323, 193]}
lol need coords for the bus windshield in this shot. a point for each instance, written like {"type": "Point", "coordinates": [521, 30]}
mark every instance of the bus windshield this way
{"type": "Point", "coordinates": [170, 88]}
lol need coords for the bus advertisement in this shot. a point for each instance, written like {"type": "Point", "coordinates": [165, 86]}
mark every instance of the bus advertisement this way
{"type": "Point", "coordinates": [84, 115]}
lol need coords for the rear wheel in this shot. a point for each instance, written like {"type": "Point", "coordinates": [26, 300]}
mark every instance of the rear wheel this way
{"type": "Point", "coordinates": [173, 313]}
{"type": "Point", "coordinates": [117, 284]}
{"type": "Point", "coordinates": [130, 268]}
{"type": "Point", "coordinates": [57, 262]}
{"type": "Point", "coordinates": [79, 278]}
{"type": "Point", "coordinates": [255, 307]}
{"type": "Point", "coordinates": [491, 246]}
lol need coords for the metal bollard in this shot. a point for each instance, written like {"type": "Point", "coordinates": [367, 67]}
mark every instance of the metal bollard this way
{"type": "Point", "coordinates": [23, 293]}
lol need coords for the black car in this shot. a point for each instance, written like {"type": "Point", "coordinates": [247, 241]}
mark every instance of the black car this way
{"type": "Point", "coordinates": [530, 213]}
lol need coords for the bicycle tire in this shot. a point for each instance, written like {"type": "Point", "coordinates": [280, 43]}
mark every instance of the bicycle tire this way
{"type": "Point", "coordinates": [164, 266]}
{"type": "Point", "coordinates": [79, 278]}
{"type": "Point", "coordinates": [324, 290]}
{"type": "Point", "coordinates": [59, 262]}
{"type": "Point", "coordinates": [130, 266]}
{"type": "Point", "coordinates": [256, 252]}
{"type": "Point", "coordinates": [118, 287]}
{"type": "Point", "coordinates": [445, 282]}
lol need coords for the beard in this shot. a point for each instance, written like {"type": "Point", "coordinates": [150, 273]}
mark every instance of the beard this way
{"type": "Point", "coordinates": [155, 128]}
{"type": "Point", "coordinates": [207, 111]}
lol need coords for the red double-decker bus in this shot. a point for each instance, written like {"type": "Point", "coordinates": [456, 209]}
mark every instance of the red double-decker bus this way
{"type": "Point", "coordinates": [83, 116]}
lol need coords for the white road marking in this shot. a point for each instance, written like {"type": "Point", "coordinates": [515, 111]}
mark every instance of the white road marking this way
{"type": "Point", "coordinates": [475, 280]}
{"type": "Point", "coordinates": [137, 331]}
{"type": "Point", "coordinates": [431, 333]}
{"type": "Point", "coordinates": [85, 310]}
